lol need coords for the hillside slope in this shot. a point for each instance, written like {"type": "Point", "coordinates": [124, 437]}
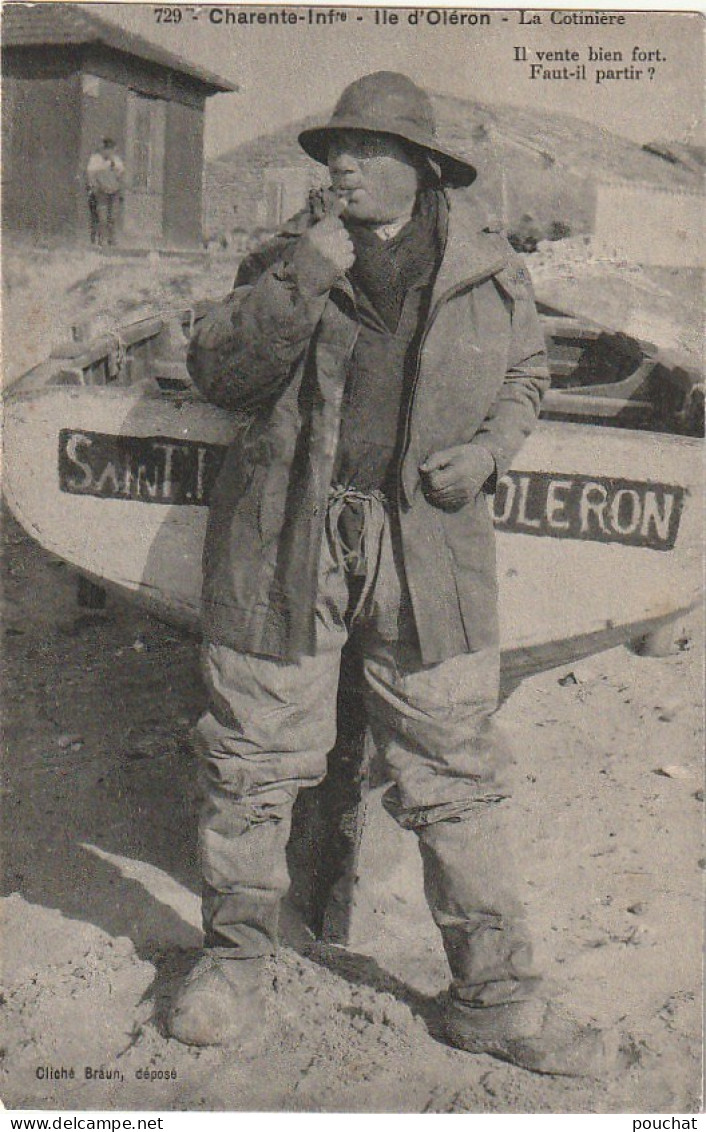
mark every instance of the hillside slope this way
{"type": "Point", "coordinates": [551, 162]}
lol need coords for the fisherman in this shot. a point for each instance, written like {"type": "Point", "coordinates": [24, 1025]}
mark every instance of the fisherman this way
{"type": "Point", "coordinates": [386, 364]}
{"type": "Point", "coordinates": [104, 180]}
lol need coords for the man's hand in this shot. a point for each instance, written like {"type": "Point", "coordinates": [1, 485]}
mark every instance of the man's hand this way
{"type": "Point", "coordinates": [331, 240]}
{"type": "Point", "coordinates": [455, 476]}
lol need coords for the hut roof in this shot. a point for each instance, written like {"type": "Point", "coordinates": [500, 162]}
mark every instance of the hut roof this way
{"type": "Point", "coordinates": [70, 25]}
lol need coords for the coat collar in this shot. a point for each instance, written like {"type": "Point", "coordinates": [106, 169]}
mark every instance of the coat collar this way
{"type": "Point", "coordinates": [473, 250]}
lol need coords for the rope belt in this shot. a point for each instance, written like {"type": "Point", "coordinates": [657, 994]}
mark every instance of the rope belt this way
{"type": "Point", "coordinates": [355, 522]}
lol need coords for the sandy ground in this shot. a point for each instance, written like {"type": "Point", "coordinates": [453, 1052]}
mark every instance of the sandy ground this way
{"type": "Point", "coordinates": [660, 305]}
{"type": "Point", "coordinates": [101, 883]}
{"type": "Point", "coordinates": [47, 291]}
{"type": "Point", "coordinates": [102, 910]}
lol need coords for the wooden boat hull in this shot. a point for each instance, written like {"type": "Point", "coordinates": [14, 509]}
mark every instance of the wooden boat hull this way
{"type": "Point", "coordinates": [598, 528]}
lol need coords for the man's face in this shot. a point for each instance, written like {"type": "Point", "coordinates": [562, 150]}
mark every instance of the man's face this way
{"type": "Point", "coordinates": [375, 174]}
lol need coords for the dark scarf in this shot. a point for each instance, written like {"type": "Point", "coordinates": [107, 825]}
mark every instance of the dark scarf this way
{"type": "Point", "coordinates": [384, 270]}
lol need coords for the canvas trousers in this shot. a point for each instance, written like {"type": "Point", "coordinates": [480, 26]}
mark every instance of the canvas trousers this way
{"type": "Point", "coordinates": [106, 205]}
{"type": "Point", "coordinates": [269, 728]}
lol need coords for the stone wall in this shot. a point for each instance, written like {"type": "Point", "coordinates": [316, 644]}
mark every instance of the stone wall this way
{"type": "Point", "coordinates": [673, 218]}
{"type": "Point", "coordinates": [258, 187]}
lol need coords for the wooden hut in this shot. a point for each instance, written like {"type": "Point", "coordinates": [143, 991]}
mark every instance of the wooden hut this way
{"type": "Point", "coordinates": [69, 79]}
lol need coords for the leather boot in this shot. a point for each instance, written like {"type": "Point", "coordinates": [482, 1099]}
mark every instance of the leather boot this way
{"type": "Point", "coordinates": [533, 1034]}
{"type": "Point", "coordinates": [220, 1002]}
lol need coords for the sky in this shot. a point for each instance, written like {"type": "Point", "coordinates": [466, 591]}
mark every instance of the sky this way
{"type": "Point", "coordinates": [288, 71]}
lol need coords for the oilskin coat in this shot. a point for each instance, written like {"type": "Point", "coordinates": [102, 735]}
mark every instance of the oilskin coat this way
{"type": "Point", "coordinates": [275, 353]}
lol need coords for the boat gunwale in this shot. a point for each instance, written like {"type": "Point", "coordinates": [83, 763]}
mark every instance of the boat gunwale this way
{"type": "Point", "coordinates": [148, 391]}
{"type": "Point", "coordinates": [594, 409]}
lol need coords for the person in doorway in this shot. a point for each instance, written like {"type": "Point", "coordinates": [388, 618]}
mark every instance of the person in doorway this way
{"type": "Point", "coordinates": [386, 363]}
{"type": "Point", "coordinates": [105, 173]}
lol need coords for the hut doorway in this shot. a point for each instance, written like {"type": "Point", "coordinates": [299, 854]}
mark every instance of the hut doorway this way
{"type": "Point", "coordinates": [143, 219]}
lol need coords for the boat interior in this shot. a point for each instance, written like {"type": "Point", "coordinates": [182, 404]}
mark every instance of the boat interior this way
{"type": "Point", "coordinates": [598, 376]}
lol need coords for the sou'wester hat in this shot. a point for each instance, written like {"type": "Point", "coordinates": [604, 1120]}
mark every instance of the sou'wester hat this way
{"type": "Point", "coordinates": [388, 103]}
